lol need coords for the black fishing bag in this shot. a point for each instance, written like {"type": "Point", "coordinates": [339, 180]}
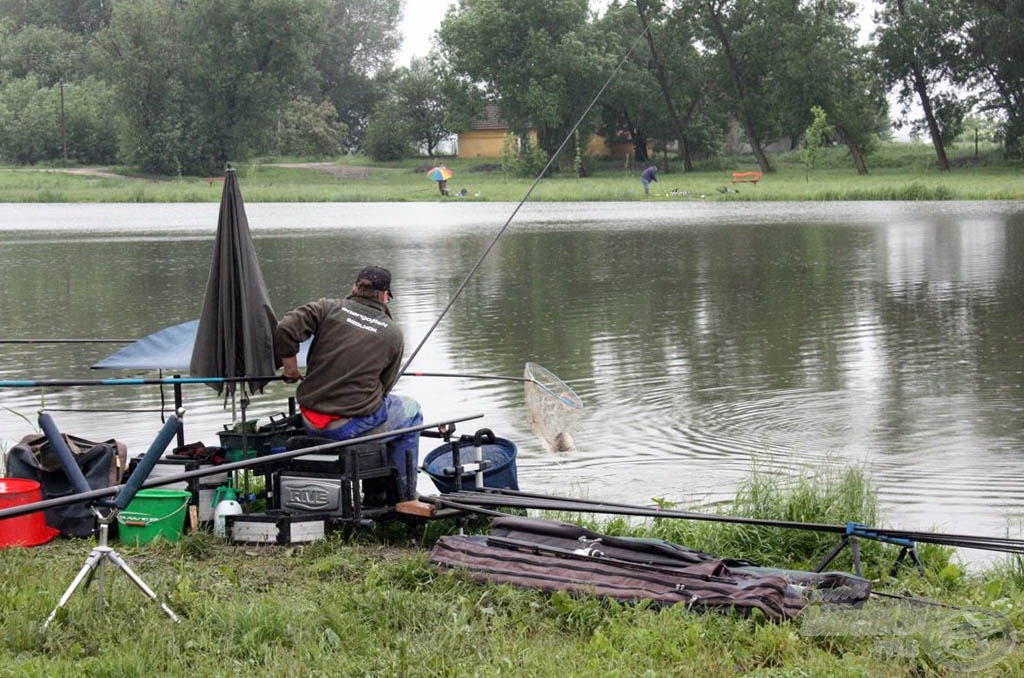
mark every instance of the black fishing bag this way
{"type": "Point", "coordinates": [102, 464]}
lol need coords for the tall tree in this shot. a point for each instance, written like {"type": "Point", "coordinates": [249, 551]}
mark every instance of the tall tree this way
{"type": "Point", "coordinates": [74, 16]}
{"type": "Point", "coordinates": [202, 83]}
{"type": "Point", "coordinates": [919, 52]}
{"type": "Point", "coordinates": [245, 60]}
{"type": "Point", "coordinates": [644, 9]}
{"type": "Point", "coordinates": [744, 42]}
{"type": "Point", "coordinates": [536, 58]}
{"type": "Point", "coordinates": [995, 65]}
{"type": "Point", "coordinates": [632, 102]}
{"type": "Point", "coordinates": [660, 94]}
{"type": "Point", "coordinates": [420, 95]}
{"type": "Point", "coordinates": [144, 45]}
{"type": "Point", "coordinates": [688, 67]}
{"type": "Point", "coordinates": [859, 109]}
{"type": "Point", "coordinates": [353, 43]}
{"type": "Point", "coordinates": [822, 66]}
{"type": "Point", "coordinates": [53, 55]}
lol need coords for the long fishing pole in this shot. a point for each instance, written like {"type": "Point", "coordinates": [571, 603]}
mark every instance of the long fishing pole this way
{"type": "Point", "coordinates": [525, 500]}
{"type": "Point", "coordinates": [127, 381]}
{"type": "Point", "coordinates": [529, 191]}
{"type": "Point", "coordinates": [217, 469]}
{"type": "Point", "coordinates": [66, 341]}
{"type": "Point", "coordinates": [141, 381]}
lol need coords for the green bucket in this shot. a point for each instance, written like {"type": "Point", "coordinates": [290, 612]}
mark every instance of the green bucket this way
{"type": "Point", "coordinates": [153, 513]}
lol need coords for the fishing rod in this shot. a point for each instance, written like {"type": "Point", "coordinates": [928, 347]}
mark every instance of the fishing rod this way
{"type": "Point", "coordinates": [526, 500]}
{"type": "Point", "coordinates": [127, 381]}
{"type": "Point", "coordinates": [140, 381]}
{"type": "Point", "coordinates": [229, 467]}
{"type": "Point", "coordinates": [66, 341]}
{"type": "Point", "coordinates": [515, 211]}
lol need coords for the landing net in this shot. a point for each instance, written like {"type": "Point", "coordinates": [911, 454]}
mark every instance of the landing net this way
{"type": "Point", "coordinates": [552, 407]}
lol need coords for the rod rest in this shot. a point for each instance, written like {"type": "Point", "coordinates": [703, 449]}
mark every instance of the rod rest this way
{"type": "Point", "coordinates": [145, 466]}
{"type": "Point", "coordinates": [67, 460]}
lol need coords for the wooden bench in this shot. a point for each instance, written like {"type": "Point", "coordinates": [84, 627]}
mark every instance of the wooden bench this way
{"type": "Point", "coordinates": [746, 177]}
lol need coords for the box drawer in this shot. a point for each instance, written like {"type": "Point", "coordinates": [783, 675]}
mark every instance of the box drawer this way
{"type": "Point", "coordinates": [277, 528]}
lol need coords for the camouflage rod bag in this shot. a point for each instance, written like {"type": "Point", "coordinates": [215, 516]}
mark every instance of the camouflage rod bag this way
{"type": "Point", "coordinates": [556, 556]}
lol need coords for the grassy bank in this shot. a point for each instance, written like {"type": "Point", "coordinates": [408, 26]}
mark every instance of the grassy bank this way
{"type": "Point", "coordinates": [898, 172]}
{"type": "Point", "coordinates": [374, 606]}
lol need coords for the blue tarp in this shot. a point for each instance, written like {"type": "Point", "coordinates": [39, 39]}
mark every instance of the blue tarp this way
{"type": "Point", "coordinates": [166, 349]}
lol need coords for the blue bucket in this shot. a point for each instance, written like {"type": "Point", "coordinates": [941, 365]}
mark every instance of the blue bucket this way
{"type": "Point", "coordinates": [501, 475]}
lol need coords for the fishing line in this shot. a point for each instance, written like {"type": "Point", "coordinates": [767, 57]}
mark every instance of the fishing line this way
{"type": "Point", "coordinates": [501, 231]}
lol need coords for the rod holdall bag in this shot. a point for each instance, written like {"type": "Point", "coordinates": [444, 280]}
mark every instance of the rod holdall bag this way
{"type": "Point", "coordinates": [102, 464]}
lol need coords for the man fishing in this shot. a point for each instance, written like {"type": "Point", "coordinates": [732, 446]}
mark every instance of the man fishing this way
{"type": "Point", "coordinates": [353, 363]}
{"type": "Point", "coordinates": [647, 176]}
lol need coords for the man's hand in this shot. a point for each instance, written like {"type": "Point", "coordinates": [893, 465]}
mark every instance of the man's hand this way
{"type": "Point", "coordinates": [290, 374]}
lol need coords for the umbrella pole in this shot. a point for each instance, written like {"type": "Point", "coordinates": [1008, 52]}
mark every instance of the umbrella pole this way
{"type": "Point", "coordinates": [244, 402]}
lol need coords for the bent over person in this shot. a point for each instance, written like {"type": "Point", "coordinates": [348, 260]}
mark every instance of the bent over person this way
{"type": "Point", "coordinates": [352, 365]}
{"type": "Point", "coordinates": [647, 176]}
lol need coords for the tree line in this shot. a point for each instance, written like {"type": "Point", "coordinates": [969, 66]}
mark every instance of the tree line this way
{"type": "Point", "coordinates": [182, 87]}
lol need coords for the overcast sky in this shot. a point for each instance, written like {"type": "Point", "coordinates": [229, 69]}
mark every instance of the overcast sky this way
{"type": "Point", "coordinates": [422, 18]}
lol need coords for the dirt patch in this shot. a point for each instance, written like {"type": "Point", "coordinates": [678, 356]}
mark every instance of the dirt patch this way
{"type": "Point", "coordinates": [338, 171]}
{"type": "Point", "coordinates": [90, 172]}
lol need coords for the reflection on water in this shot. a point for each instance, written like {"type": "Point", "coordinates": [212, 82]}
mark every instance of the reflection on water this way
{"type": "Point", "coordinates": [704, 339]}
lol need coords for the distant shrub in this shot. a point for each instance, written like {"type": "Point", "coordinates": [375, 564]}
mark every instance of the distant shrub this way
{"type": "Point", "coordinates": [387, 135]}
{"type": "Point", "coordinates": [30, 122]}
{"type": "Point", "coordinates": [308, 128]}
{"type": "Point", "coordinates": [519, 158]}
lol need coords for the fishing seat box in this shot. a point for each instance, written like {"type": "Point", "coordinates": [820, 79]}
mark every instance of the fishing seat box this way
{"type": "Point", "coordinates": [202, 489]}
{"type": "Point", "coordinates": [277, 527]}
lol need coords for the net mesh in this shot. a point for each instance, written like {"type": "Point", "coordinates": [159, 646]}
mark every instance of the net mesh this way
{"type": "Point", "coordinates": [552, 408]}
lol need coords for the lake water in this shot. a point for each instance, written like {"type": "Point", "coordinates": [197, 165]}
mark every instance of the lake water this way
{"type": "Point", "coordinates": [704, 339]}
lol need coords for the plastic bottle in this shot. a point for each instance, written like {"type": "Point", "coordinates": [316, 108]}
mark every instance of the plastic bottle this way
{"type": "Point", "coordinates": [225, 504]}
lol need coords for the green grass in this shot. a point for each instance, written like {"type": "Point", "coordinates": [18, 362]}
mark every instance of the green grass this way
{"type": "Point", "coordinates": [372, 605]}
{"type": "Point", "coordinates": [899, 171]}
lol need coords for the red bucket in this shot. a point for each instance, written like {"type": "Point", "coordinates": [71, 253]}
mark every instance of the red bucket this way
{"type": "Point", "coordinates": [27, 530]}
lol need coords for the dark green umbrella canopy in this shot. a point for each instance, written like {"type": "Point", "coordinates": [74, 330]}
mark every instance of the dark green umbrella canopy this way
{"type": "Point", "coordinates": [236, 325]}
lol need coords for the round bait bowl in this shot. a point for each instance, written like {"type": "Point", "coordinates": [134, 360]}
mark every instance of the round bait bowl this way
{"type": "Point", "coordinates": [27, 530]}
{"type": "Point", "coordinates": [502, 474]}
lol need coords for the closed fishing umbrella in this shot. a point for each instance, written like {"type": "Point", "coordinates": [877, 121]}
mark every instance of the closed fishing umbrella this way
{"type": "Point", "coordinates": [236, 325]}
{"type": "Point", "coordinates": [439, 173]}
